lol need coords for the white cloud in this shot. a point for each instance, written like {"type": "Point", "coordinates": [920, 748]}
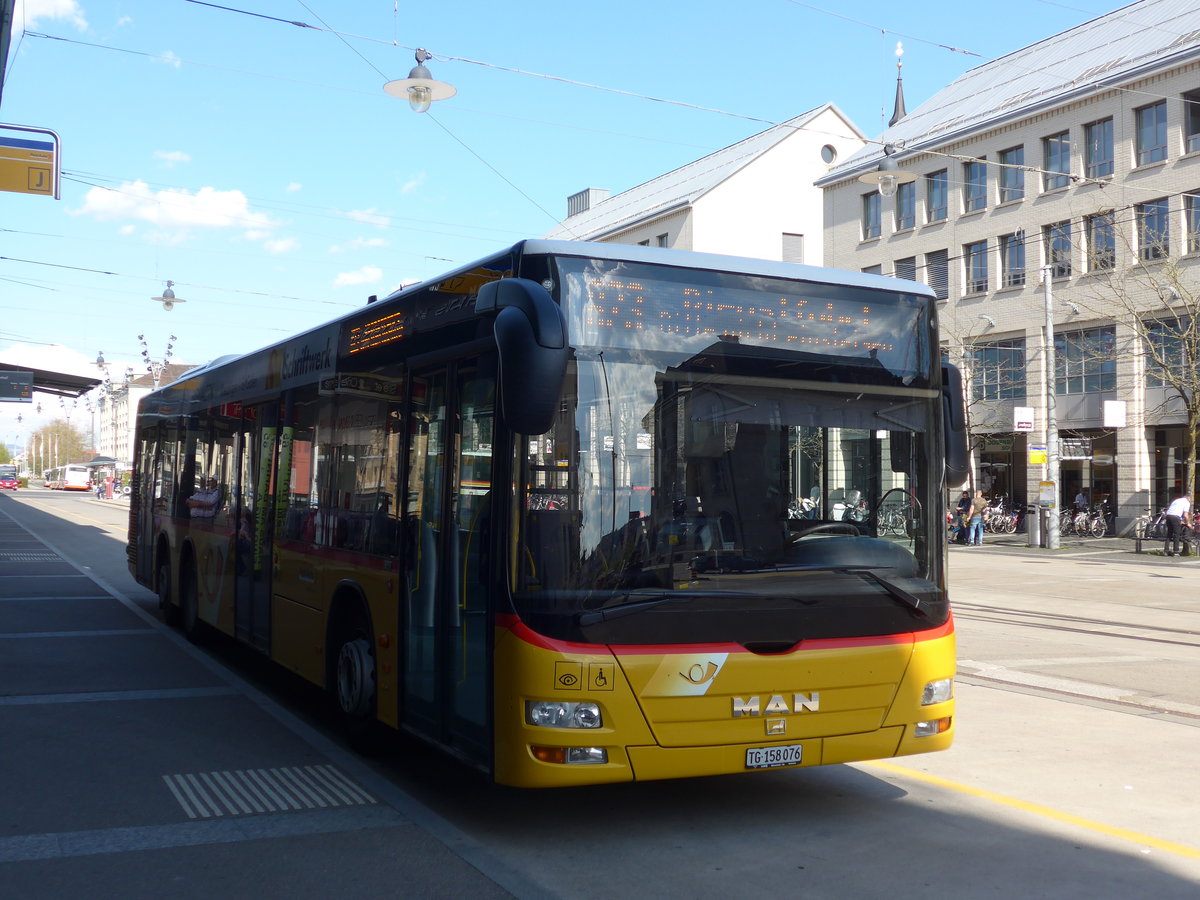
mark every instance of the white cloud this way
{"type": "Point", "coordinates": [171, 157]}
{"type": "Point", "coordinates": [169, 58]}
{"type": "Point", "coordinates": [173, 208]}
{"type": "Point", "coordinates": [52, 358]}
{"type": "Point", "coordinates": [369, 217]}
{"type": "Point", "coordinates": [293, 187]}
{"type": "Point", "coordinates": [413, 183]}
{"type": "Point", "coordinates": [277, 246]}
{"type": "Point", "coordinates": [31, 12]}
{"type": "Point", "coordinates": [365, 275]}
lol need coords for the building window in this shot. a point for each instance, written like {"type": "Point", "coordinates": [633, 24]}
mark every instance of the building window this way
{"type": "Point", "coordinates": [975, 267]}
{"type": "Point", "coordinates": [793, 248]}
{"type": "Point", "coordinates": [661, 241]}
{"type": "Point", "coordinates": [1153, 229]}
{"type": "Point", "coordinates": [936, 193]}
{"type": "Point", "coordinates": [907, 268]}
{"type": "Point", "coordinates": [1191, 122]}
{"type": "Point", "coordinates": [1101, 242]}
{"type": "Point", "coordinates": [974, 186]}
{"type": "Point", "coordinates": [998, 370]}
{"type": "Point", "coordinates": [937, 273]}
{"type": "Point", "coordinates": [1056, 161]}
{"type": "Point", "coordinates": [906, 205]}
{"type": "Point", "coordinates": [1058, 249]}
{"type": "Point", "coordinates": [1085, 361]}
{"type": "Point", "coordinates": [873, 270]}
{"type": "Point", "coordinates": [1165, 353]}
{"type": "Point", "coordinates": [1012, 174]}
{"type": "Point", "coordinates": [1012, 260]}
{"type": "Point", "coordinates": [870, 215]}
{"type": "Point", "coordinates": [1191, 221]}
{"type": "Point", "coordinates": [1151, 133]}
{"type": "Point", "coordinates": [1098, 149]}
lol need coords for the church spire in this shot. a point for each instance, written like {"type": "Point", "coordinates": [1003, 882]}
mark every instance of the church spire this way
{"type": "Point", "coordinates": [899, 112]}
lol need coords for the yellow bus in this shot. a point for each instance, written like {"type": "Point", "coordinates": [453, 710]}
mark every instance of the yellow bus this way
{"type": "Point", "coordinates": [582, 513]}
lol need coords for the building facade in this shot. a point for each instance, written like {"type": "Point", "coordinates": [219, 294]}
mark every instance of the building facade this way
{"type": "Point", "coordinates": [1061, 181]}
{"type": "Point", "coordinates": [116, 411]}
{"type": "Point", "coordinates": [754, 198]}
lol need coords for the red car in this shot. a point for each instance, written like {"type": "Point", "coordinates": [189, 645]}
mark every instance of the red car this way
{"type": "Point", "coordinates": [9, 482]}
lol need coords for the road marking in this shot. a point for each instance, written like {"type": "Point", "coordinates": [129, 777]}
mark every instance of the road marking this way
{"type": "Point", "coordinates": [248, 791]}
{"type": "Point", "coordinates": [123, 696]}
{"type": "Point", "coordinates": [1037, 809]}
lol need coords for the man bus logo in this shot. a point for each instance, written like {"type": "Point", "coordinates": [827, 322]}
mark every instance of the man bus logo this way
{"type": "Point", "coordinates": [777, 705]}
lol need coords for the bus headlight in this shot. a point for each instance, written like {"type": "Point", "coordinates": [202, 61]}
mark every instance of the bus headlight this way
{"type": "Point", "coordinates": [560, 714]}
{"type": "Point", "coordinates": [937, 691]}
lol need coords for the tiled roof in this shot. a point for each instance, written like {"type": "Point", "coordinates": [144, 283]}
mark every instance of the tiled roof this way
{"type": "Point", "coordinates": [1087, 59]}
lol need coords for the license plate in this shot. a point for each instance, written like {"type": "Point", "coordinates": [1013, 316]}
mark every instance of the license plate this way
{"type": "Point", "coordinates": [770, 757]}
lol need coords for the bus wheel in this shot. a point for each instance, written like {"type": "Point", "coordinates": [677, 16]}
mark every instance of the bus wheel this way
{"type": "Point", "coordinates": [169, 610]}
{"type": "Point", "coordinates": [354, 687]}
{"type": "Point", "coordinates": [189, 600]}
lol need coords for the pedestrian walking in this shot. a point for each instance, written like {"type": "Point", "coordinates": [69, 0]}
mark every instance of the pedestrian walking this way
{"type": "Point", "coordinates": [1179, 517]}
{"type": "Point", "coordinates": [975, 520]}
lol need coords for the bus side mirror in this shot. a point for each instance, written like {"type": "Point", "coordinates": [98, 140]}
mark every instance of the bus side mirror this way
{"type": "Point", "coordinates": [954, 425]}
{"type": "Point", "coordinates": [531, 337]}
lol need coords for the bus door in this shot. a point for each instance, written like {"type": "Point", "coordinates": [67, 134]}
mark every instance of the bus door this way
{"type": "Point", "coordinates": [255, 525]}
{"type": "Point", "coordinates": [447, 680]}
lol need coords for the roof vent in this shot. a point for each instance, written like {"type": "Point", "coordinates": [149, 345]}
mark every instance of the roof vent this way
{"type": "Point", "coordinates": [584, 200]}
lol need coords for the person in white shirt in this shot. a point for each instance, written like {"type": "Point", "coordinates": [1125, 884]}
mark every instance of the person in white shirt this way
{"type": "Point", "coordinates": [203, 504]}
{"type": "Point", "coordinates": [1179, 516]}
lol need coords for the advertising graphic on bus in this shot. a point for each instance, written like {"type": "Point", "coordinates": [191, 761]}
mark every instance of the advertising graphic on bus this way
{"type": "Point", "coordinates": [582, 513]}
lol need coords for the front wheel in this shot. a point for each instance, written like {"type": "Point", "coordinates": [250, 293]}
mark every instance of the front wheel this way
{"type": "Point", "coordinates": [1099, 527]}
{"type": "Point", "coordinates": [355, 687]}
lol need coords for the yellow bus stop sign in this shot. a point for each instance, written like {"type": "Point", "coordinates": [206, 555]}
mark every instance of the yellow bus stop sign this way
{"type": "Point", "coordinates": [29, 165]}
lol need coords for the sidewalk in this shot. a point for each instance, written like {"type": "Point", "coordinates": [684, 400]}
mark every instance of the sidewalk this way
{"type": "Point", "coordinates": [1070, 545]}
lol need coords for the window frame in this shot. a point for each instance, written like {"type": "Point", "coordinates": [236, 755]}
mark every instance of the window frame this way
{"type": "Point", "coordinates": [1191, 122]}
{"type": "Point", "coordinates": [1056, 238]}
{"type": "Point", "coordinates": [937, 196]}
{"type": "Point", "coordinates": [1191, 221]}
{"type": "Point", "coordinates": [1103, 259]}
{"type": "Point", "coordinates": [1056, 161]}
{"type": "Point", "coordinates": [975, 267]}
{"type": "Point", "coordinates": [1012, 260]}
{"type": "Point", "coordinates": [1085, 361]}
{"type": "Point", "coordinates": [974, 189]}
{"type": "Point", "coordinates": [1098, 156]}
{"type": "Point", "coordinates": [1010, 179]}
{"type": "Point", "coordinates": [905, 206]}
{"type": "Point", "coordinates": [1147, 154]}
{"type": "Point", "coordinates": [872, 218]}
{"type": "Point", "coordinates": [1152, 250]}
{"type": "Point", "coordinates": [998, 369]}
{"type": "Point", "coordinates": [937, 263]}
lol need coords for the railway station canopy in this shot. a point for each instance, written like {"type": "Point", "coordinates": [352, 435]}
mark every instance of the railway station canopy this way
{"type": "Point", "coordinates": [58, 383]}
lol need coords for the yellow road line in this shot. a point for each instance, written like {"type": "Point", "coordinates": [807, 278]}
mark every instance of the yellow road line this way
{"type": "Point", "coordinates": [1039, 810]}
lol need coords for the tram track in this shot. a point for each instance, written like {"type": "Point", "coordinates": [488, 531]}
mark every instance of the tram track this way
{"type": "Point", "coordinates": [1086, 625]}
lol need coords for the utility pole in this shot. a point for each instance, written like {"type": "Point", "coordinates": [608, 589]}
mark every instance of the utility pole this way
{"type": "Point", "coordinates": [1052, 535]}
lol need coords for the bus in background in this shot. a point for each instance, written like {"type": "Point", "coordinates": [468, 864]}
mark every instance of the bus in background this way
{"type": "Point", "coordinates": [69, 478]}
{"type": "Point", "coordinates": [582, 513]}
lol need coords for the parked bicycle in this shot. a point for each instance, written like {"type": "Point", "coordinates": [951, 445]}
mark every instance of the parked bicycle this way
{"type": "Point", "coordinates": [1000, 518]}
{"type": "Point", "coordinates": [1152, 528]}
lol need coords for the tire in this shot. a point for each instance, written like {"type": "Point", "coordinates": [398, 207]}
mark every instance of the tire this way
{"type": "Point", "coordinates": [355, 685]}
{"type": "Point", "coordinates": [1010, 523]}
{"type": "Point", "coordinates": [189, 603]}
{"type": "Point", "coordinates": [1099, 527]}
{"type": "Point", "coordinates": [170, 612]}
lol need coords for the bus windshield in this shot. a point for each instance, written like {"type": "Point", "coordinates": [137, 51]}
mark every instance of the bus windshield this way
{"type": "Point", "coordinates": [730, 475]}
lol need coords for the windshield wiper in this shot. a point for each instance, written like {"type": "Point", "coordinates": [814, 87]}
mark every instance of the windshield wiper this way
{"type": "Point", "coordinates": [644, 603]}
{"type": "Point", "coordinates": [871, 573]}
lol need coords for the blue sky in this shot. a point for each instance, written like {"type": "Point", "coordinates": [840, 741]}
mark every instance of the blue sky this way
{"type": "Point", "coordinates": [260, 166]}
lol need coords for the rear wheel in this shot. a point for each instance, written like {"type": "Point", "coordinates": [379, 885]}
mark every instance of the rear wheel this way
{"type": "Point", "coordinates": [169, 610]}
{"type": "Point", "coordinates": [1099, 526]}
{"type": "Point", "coordinates": [189, 601]}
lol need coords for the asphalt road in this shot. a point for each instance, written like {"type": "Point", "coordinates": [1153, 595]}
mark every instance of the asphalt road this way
{"type": "Point", "coordinates": [1073, 773]}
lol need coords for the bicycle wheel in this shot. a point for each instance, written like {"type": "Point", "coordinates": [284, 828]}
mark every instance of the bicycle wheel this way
{"type": "Point", "coordinates": [1098, 526]}
{"type": "Point", "coordinates": [1010, 523]}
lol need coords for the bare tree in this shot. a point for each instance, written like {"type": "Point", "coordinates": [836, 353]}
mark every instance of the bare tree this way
{"type": "Point", "coordinates": [1158, 300]}
{"type": "Point", "coordinates": [60, 443]}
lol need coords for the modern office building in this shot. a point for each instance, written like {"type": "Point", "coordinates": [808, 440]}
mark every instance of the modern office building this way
{"type": "Point", "coordinates": [1077, 160]}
